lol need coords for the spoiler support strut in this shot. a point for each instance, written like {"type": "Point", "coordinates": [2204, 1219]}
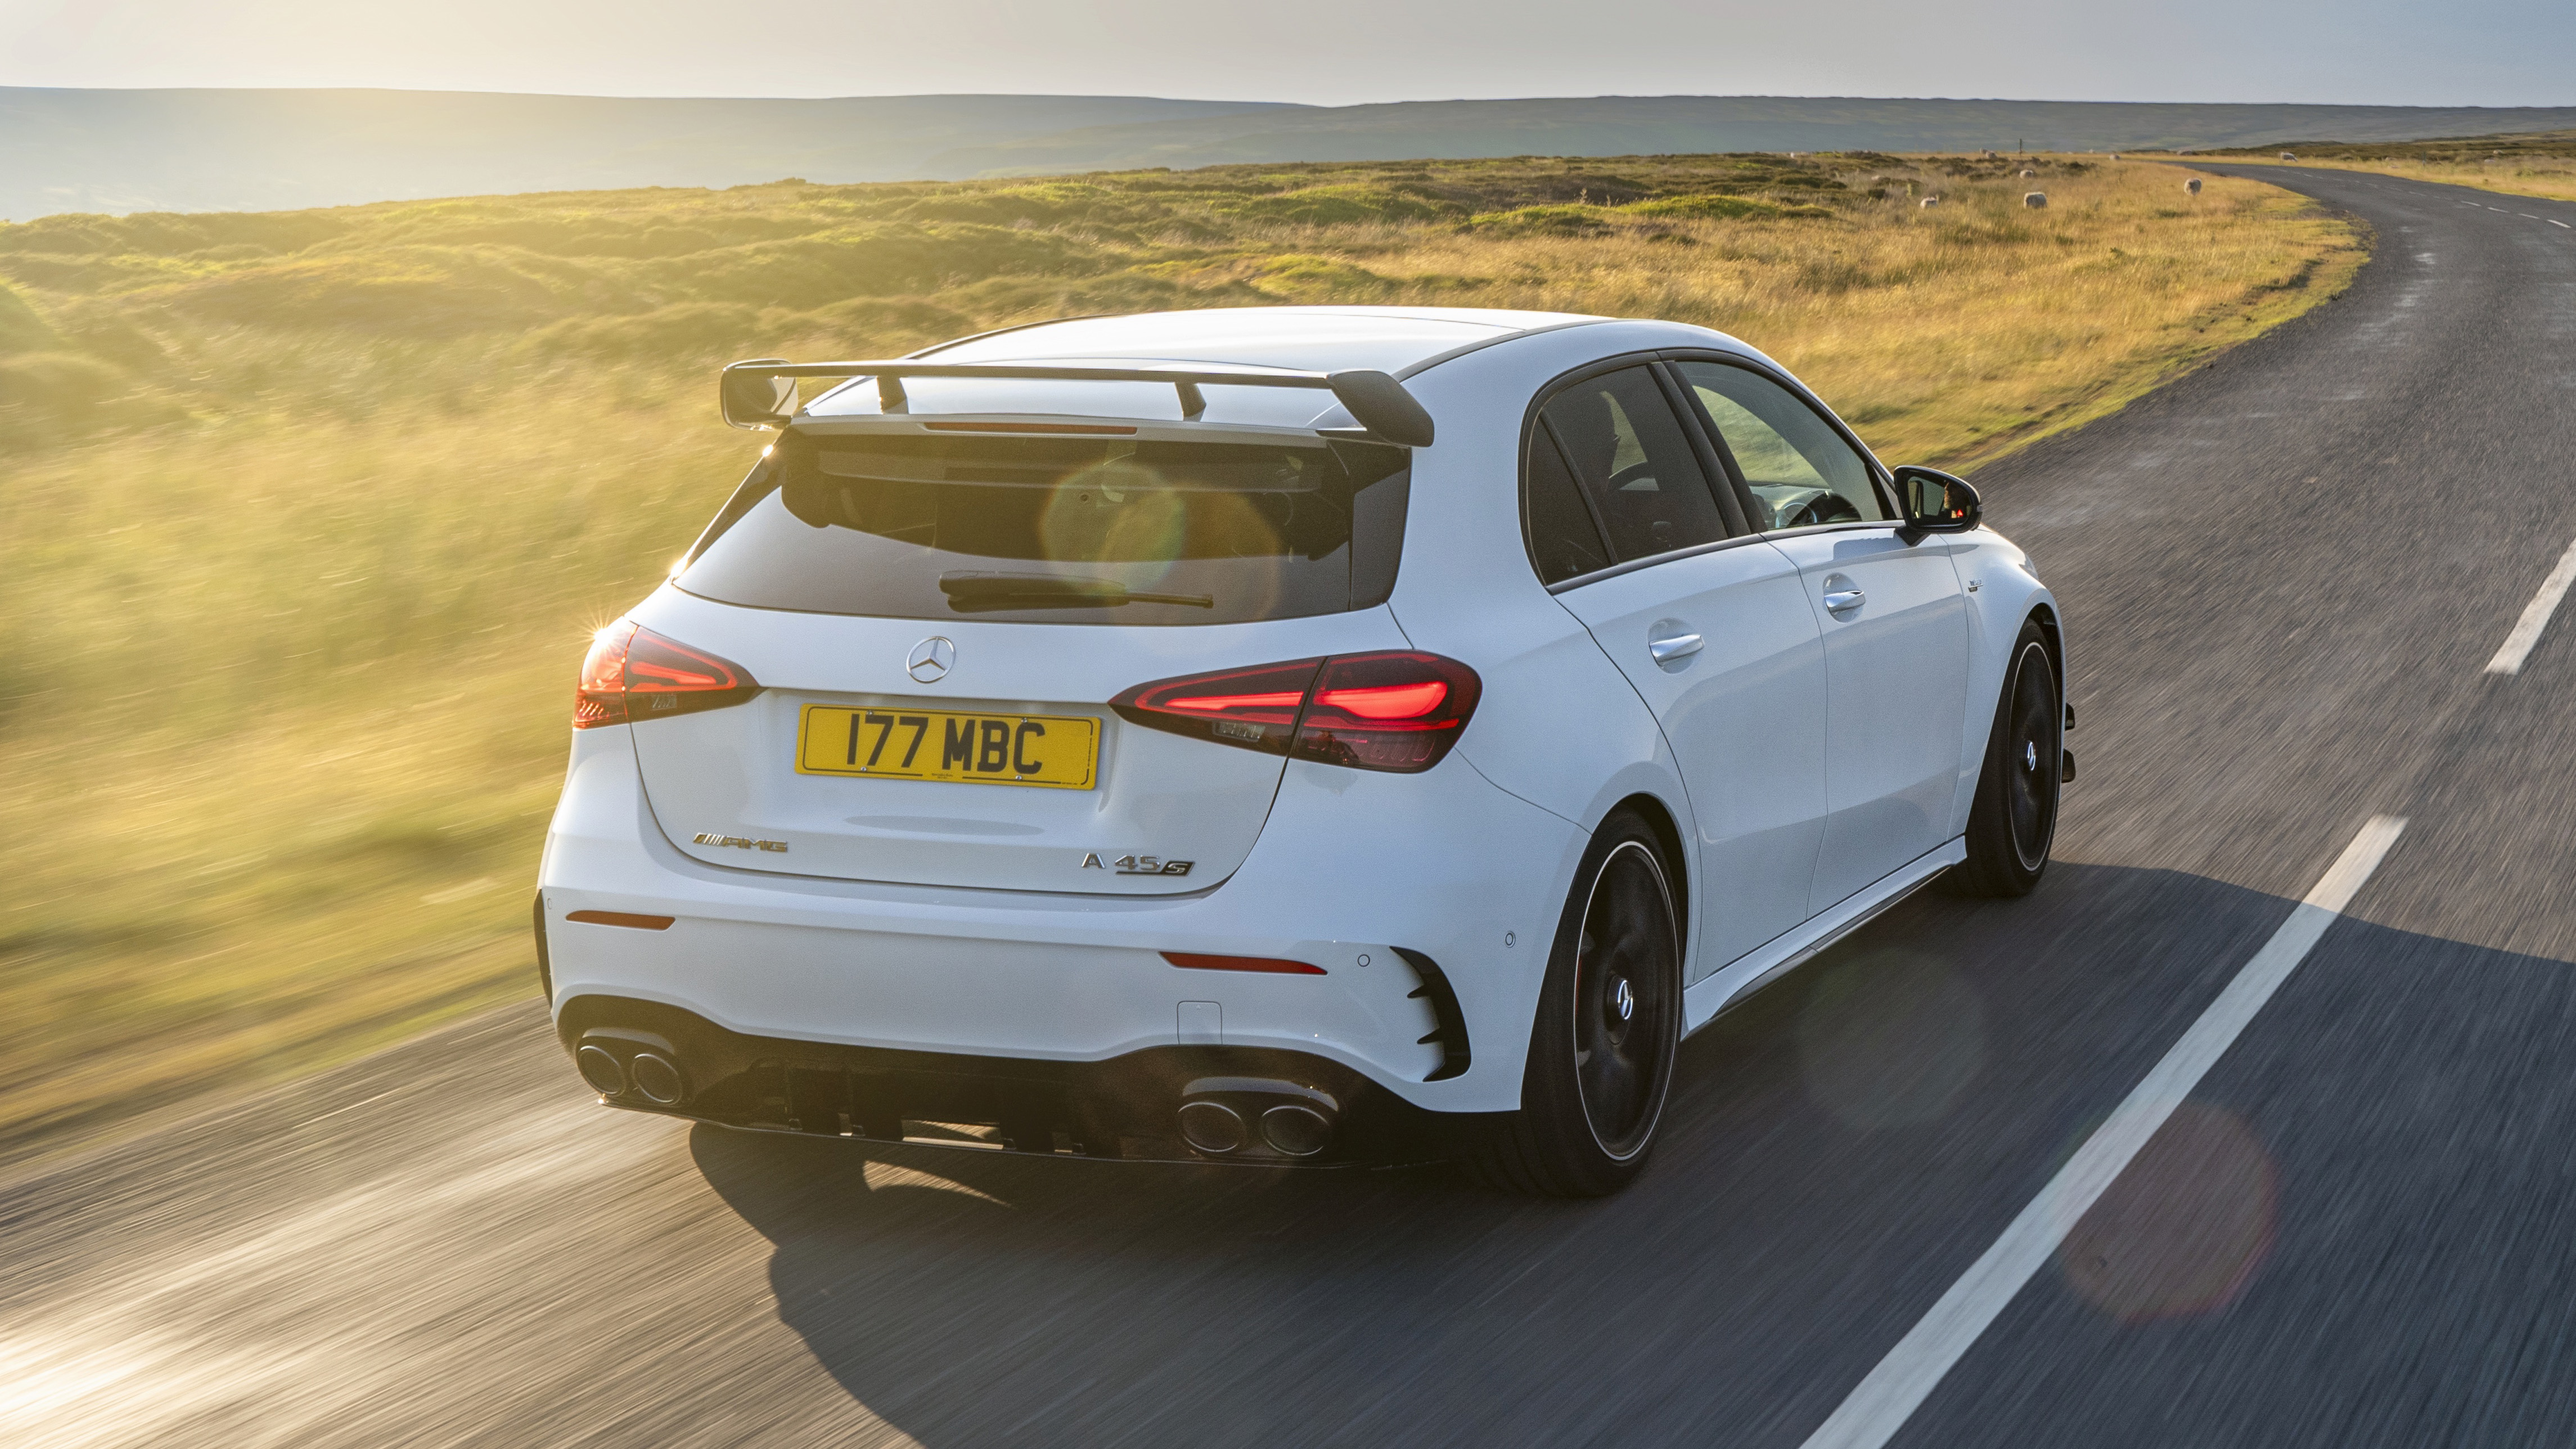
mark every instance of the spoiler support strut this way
{"type": "Point", "coordinates": [762, 393]}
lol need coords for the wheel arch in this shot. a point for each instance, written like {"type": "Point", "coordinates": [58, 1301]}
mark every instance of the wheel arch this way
{"type": "Point", "coordinates": [1660, 819]}
{"type": "Point", "coordinates": [2044, 614]}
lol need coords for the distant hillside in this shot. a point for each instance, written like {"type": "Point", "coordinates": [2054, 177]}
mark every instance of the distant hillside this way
{"type": "Point", "coordinates": [268, 150]}
{"type": "Point", "coordinates": [1631, 125]}
{"type": "Point", "coordinates": [244, 150]}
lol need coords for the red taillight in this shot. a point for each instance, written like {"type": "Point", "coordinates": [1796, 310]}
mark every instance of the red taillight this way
{"type": "Point", "coordinates": [1255, 709]}
{"type": "Point", "coordinates": [1396, 711]}
{"type": "Point", "coordinates": [632, 673]}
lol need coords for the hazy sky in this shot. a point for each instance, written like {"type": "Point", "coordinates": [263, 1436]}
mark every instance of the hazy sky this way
{"type": "Point", "coordinates": [2460, 52]}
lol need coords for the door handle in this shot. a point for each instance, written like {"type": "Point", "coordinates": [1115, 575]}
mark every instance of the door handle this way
{"type": "Point", "coordinates": [1672, 647]}
{"type": "Point", "coordinates": [1843, 601]}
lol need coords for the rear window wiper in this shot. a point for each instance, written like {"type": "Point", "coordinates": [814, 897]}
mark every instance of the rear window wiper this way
{"type": "Point", "coordinates": [972, 593]}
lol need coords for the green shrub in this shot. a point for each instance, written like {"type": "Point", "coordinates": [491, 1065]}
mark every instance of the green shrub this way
{"type": "Point", "coordinates": [1708, 208]}
{"type": "Point", "coordinates": [1332, 206]}
{"type": "Point", "coordinates": [1541, 221]}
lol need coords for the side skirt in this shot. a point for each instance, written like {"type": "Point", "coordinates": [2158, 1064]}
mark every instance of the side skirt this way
{"type": "Point", "coordinates": [1722, 988]}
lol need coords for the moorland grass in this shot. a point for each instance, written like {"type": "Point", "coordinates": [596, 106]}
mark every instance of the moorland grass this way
{"type": "Point", "coordinates": [305, 517]}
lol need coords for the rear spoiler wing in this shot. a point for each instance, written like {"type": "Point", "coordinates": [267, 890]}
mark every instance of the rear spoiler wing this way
{"type": "Point", "coordinates": [762, 393]}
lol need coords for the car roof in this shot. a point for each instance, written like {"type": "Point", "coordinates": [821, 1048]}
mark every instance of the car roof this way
{"type": "Point", "coordinates": [1397, 340]}
{"type": "Point", "coordinates": [1323, 339]}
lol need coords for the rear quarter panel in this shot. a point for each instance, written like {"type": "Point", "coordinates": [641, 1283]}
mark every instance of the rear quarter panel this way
{"type": "Point", "coordinates": [1559, 725]}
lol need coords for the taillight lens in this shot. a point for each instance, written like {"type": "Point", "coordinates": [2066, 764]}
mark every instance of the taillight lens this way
{"type": "Point", "coordinates": [1397, 710]}
{"type": "Point", "coordinates": [1255, 709]}
{"type": "Point", "coordinates": [633, 674]}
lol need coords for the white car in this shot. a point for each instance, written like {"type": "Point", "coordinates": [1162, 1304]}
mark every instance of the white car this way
{"type": "Point", "coordinates": [1279, 735]}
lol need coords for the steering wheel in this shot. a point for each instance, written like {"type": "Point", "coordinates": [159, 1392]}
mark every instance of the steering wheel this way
{"type": "Point", "coordinates": [1624, 476]}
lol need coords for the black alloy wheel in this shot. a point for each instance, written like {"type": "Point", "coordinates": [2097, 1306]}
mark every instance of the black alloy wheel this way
{"type": "Point", "coordinates": [1622, 1027]}
{"type": "Point", "coordinates": [1608, 1028]}
{"type": "Point", "coordinates": [2013, 824]}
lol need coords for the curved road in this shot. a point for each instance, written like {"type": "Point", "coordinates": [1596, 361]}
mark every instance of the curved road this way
{"type": "Point", "coordinates": [2286, 573]}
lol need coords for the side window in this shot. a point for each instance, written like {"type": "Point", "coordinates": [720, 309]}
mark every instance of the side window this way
{"type": "Point", "coordinates": [1634, 463]}
{"type": "Point", "coordinates": [1802, 472]}
{"type": "Point", "coordinates": [1562, 538]}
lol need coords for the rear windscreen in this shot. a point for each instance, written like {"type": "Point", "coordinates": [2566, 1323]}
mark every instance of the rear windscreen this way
{"type": "Point", "coordinates": [1059, 530]}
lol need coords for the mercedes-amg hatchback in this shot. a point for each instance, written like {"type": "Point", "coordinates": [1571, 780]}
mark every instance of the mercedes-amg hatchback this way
{"type": "Point", "coordinates": [1296, 735]}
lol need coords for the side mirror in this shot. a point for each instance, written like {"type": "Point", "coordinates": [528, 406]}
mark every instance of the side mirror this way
{"type": "Point", "coordinates": [1937, 502]}
{"type": "Point", "coordinates": [755, 399]}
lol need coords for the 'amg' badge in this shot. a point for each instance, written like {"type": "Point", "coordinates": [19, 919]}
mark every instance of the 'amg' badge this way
{"type": "Point", "coordinates": [1137, 864]}
{"type": "Point", "coordinates": [736, 841]}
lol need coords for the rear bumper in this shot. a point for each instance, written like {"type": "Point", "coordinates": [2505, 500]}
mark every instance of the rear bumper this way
{"type": "Point", "coordinates": [1127, 1107]}
{"type": "Point", "coordinates": [1363, 875]}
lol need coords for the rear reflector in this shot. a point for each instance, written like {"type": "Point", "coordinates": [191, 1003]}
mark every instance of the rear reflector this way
{"type": "Point", "coordinates": [1241, 963]}
{"type": "Point", "coordinates": [1398, 710]}
{"type": "Point", "coordinates": [621, 918]}
{"type": "Point", "coordinates": [633, 674]}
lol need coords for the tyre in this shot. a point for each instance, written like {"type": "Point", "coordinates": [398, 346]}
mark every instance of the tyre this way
{"type": "Point", "coordinates": [1608, 1025]}
{"type": "Point", "coordinates": [2014, 820]}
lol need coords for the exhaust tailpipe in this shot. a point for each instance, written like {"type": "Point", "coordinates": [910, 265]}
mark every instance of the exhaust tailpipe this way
{"type": "Point", "coordinates": [1296, 1130]}
{"type": "Point", "coordinates": [600, 1067]}
{"type": "Point", "coordinates": [657, 1079]}
{"type": "Point", "coordinates": [1218, 1115]}
{"type": "Point", "coordinates": [1212, 1127]}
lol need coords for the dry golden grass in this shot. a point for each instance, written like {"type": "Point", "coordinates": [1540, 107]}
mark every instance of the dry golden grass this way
{"type": "Point", "coordinates": [292, 616]}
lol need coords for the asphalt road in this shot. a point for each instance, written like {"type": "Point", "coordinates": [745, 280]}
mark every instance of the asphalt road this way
{"type": "Point", "coordinates": [2284, 574]}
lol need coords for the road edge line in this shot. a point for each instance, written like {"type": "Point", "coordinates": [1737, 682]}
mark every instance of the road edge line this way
{"type": "Point", "coordinates": [2534, 622]}
{"type": "Point", "coordinates": [1882, 1402]}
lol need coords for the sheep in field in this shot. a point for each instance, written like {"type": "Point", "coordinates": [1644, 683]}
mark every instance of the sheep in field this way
{"type": "Point", "coordinates": [2192, 186]}
{"type": "Point", "coordinates": [2035, 200]}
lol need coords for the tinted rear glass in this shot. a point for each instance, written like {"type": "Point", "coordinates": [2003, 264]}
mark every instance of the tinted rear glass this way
{"type": "Point", "coordinates": [1060, 530]}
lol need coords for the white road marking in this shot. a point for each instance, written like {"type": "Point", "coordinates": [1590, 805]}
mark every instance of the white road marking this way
{"type": "Point", "coordinates": [2553, 221]}
{"type": "Point", "coordinates": [1884, 1400]}
{"type": "Point", "coordinates": [2535, 616]}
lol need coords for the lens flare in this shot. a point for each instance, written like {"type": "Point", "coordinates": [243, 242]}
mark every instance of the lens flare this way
{"type": "Point", "coordinates": [2186, 1225]}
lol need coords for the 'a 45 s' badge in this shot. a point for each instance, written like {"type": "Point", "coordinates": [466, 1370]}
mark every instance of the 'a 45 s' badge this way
{"type": "Point", "coordinates": [1137, 864]}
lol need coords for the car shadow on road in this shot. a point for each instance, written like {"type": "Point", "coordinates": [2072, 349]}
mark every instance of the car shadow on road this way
{"type": "Point", "coordinates": [1837, 1150]}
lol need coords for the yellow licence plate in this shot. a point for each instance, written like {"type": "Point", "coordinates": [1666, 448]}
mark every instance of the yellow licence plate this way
{"type": "Point", "coordinates": [1057, 751]}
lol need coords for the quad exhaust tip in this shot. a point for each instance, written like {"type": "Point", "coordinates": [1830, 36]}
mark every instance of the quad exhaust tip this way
{"type": "Point", "coordinates": [1219, 1115]}
{"type": "Point", "coordinates": [650, 1073]}
{"type": "Point", "coordinates": [1296, 1130]}
{"type": "Point", "coordinates": [657, 1079]}
{"type": "Point", "coordinates": [1212, 1127]}
{"type": "Point", "coordinates": [600, 1067]}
